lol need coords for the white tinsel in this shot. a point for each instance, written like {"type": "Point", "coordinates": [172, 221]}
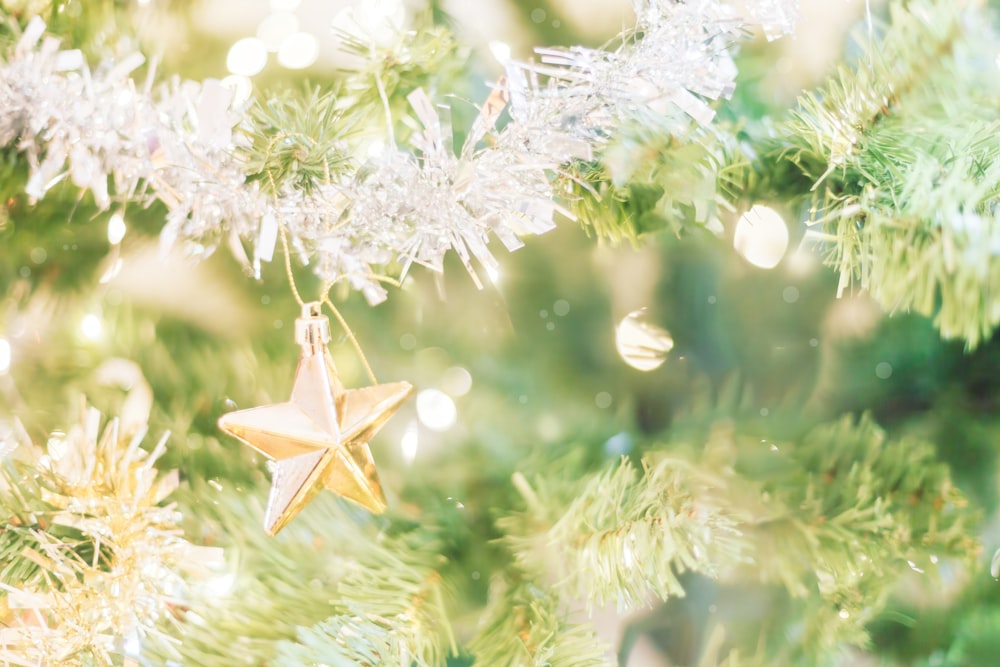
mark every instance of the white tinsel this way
{"type": "Point", "coordinates": [178, 144]}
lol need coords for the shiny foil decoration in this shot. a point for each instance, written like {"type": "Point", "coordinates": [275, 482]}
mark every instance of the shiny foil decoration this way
{"type": "Point", "coordinates": [319, 437]}
{"type": "Point", "coordinates": [179, 143]}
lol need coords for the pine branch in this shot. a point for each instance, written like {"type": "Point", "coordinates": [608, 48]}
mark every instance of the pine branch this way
{"type": "Point", "coordinates": [526, 627]}
{"type": "Point", "coordinates": [331, 589]}
{"type": "Point", "coordinates": [390, 610]}
{"type": "Point", "coordinates": [845, 511]}
{"type": "Point", "coordinates": [624, 533]}
{"type": "Point", "coordinates": [647, 184]}
{"type": "Point", "coordinates": [901, 150]}
{"type": "Point", "coordinates": [272, 587]}
{"type": "Point", "coordinates": [299, 143]}
{"type": "Point", "coordinates": [386, 70]}
{"type": "Point", "coordinates": [834, 516]}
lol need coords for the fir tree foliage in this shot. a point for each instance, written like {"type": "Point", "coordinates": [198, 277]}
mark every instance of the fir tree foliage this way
{"type": "Point", "coordinates": [391, 610]}
{"type": "Point", "coordinates": [526, 626]}
{"type": "Point", "coordinates": [625, 532]}
{"type": "Point", "coordinates": [902, 150]}
{"type": "Point", "coordinates": [834, 516]}
{"type": "Point", "coordinates": [825, 521]}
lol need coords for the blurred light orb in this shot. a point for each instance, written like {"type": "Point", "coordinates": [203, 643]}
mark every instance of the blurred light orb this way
{"type": "Point", "coordinates": [410, 442]}
{"type": "Point", "coordinates": [275, 28]}
{"type": "Point", "coordinates": [620, 444]}
{"type": "Point", "coordinates": [298, 51]}
{"type": "Point", "coordinates": [91, 327]}
{"type": "Point", "coordinates": [883, 370]}
{"type": "Point", "coordinates": [456, 381]}
{"type": "Point", "coordinates": [500, 51]}
{"type": "Point", "coordinates": [436, 410]}
{"type": "Point", "coordinates": [4, 356]}
{"type": "Point", "coordinates": [247, 57]}
{"type": "Point", "coordinates": [116, 229]}
{"type": "Point", "coordinates": [240, 86]}
{"type": "Point", "coordinates": [375, 22]}
{"type": "Point", "coordinates": [761, 237]}
{"type": "Point", "coordinates": [643, 345]}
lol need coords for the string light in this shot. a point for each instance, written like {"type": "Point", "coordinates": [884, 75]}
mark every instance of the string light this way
{"type": "Point", "coordinates": [298, 51]}
{"type": "Point", "coordinates": [643, 345]}
{"type": "Point", "coordinates": [240, 86]}
{"type": "Point", "coordinates": [761, 237]}
{"type": "Point", "coordinates": [436, 410]}
{"type": "Point", "coordinates": [500, 51]}
{"type": "Point", "coordinates": [275, 29]}
{"type": "Point", "coordinates": [410, 442]}
{"type": "Point", "coordinates": [116, 229]}
{"type": "Point", "coordinates": [247, 57]}
{"type": "Point", "coordinates": [456, 381]}
{"type": "Point", "coordinates": [91, 327]}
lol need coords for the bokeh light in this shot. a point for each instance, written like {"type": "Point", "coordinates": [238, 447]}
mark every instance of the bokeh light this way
{"type": "Point", "coordinates": [91, 327]}
{"type": "Point", "coordinates": [410, 442]}
{"type": "Point", "coordinates": [643, 345]}
{"type": "Point", "coordinates": [116, 229]}
{"type": "Point", "coordinates": [241, 87]}
{"type": "Point", "coordinates": [247, 57]}
{"type": "Point", "coordinates": [275, 29]}
{"type": "Point", "coordinates": [436, 410]}
{"type": "Point", "coordinates": [456, 381]}
{"type": "Point", "coordinates": [761, 237]}
{"type": "Point", "coordinates": [298, 51]}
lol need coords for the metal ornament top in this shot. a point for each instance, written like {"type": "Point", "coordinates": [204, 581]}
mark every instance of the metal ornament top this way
{"type": "Point", "coordinates": [312, 329]}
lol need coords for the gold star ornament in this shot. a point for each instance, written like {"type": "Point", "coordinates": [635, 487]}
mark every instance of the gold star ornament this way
{"type": "Point", "coordinates": [319, 437]}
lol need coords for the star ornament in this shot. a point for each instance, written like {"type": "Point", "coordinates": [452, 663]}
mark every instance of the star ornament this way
{"type": "Point", "coordinates": [319, 437]}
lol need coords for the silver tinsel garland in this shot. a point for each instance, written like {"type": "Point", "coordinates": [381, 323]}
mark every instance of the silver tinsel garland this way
{"type": "Point", "coordinates": [178, 142]}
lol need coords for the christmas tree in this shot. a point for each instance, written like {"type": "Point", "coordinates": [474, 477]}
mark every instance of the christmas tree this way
{"type": "Point", "coordinates": [730, 402]}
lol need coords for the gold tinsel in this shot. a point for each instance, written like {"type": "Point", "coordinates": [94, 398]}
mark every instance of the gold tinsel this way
{"type": "Point", "coordinates": [99, 563]}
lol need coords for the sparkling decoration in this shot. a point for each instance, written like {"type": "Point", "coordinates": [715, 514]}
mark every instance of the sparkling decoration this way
{"type": "Point", "coordinates": [643, 345]}
{"type": "Point", "coordinates": [319, 437]}
{"type": "Point", "coordinates": [179, 142]}
{"type": "Point", "coordinates": [90, 492]}
{"type": "Point", "coordinates": [776, 17]}
{"type": "Point", "coordinates": [761, 237]}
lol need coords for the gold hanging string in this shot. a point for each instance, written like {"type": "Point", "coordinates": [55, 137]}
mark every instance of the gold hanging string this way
{"type": "Point", "coordinates": [350, 336]}
{"type": "Point", "coordinates": [284, 237]}
{"type": "Point", "coordinates": [288, 264]}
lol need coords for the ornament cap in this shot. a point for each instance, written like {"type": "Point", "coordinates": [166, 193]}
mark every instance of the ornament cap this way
{"type": "Point", "coordinates": [312, 329]}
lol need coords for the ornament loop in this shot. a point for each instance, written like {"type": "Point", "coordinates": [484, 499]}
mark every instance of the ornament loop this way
{"type": "Point", "coordinates": [312, 329]}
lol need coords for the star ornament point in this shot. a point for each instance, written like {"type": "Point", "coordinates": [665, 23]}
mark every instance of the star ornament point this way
{"type": "Point", "coordinates": [319, 437]}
